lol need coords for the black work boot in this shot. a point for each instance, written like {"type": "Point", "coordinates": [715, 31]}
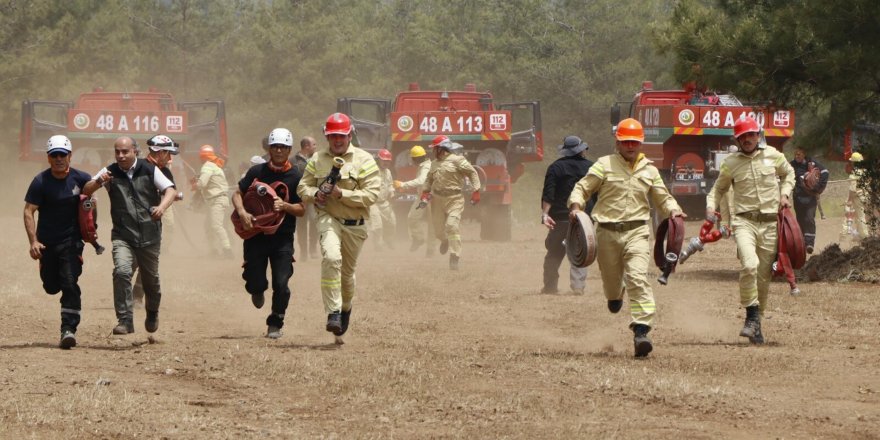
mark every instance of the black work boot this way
{"type": "Point", "coordinates": [444, 246]}
{"type": "Point", "coordinates": [344, 318]}
{"type": "Point", "coordinates": [752, 326]}
{"type": "Point", "coordinates": [151, 324]}
{"type": "Point", "coordinates": [641, 341]}
{"type": "Point", "coordinates": [614, 305]}
{"type": "Point", "coordinates": [258, 299]}
{"type": "Point", "coordinates": [334, 323]}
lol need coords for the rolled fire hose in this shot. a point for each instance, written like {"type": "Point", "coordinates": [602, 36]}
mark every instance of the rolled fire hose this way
{"type": "Point", "coordinates": [580, 244]}
{"type": "Point", "coordinates": [671, 233]}
{"type": "Point", "coordinates": [790, 244]}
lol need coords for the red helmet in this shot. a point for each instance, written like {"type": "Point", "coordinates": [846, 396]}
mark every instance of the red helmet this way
{"type": "Point", "coordinates": [337, 123]}
{"type": "Point", "coordinates": [384, 154]}
{"type": "Point", "coordinates": [439, 140]}
{"type": "Point", "coordinates": [745, 125]}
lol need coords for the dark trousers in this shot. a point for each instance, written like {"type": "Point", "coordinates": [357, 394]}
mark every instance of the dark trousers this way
{"type": "Point", "coordinates": [555, 254]}
{"type": "Point", "coordinates": [805, 211]}
{"type": "Point", "coordinates": [275, 251]}
{"type": "Point", "coordinates": [60, 268]}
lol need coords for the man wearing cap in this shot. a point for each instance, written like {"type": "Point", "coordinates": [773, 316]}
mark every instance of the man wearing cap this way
{"type": "Point", "coordinates": [443, 188]}
{"type": "Point", "coordinates": [382, 219]}
{"type": "Point", "coordinates": [626, 181]}
{"type": "Point", "coordinates": [306, 228]}
{"type": "Point", "coordinates": [139, 196]}
{"type": "Point", "coordinates": [212, 185]}
{"type": "Point", "coordinates": [55, 238]}
{"type": "Point", "coordinates": [418, 220]}
{"type": "Point", "coordinates": [275, 250]}
{"type": "Point", "coordinates": [806, 197]}
{"type": "Point", "coordinates": [559, 181]}
{"type": "Point", "coordinates": [161, 148]}
{"type": "Point", "coordinates": [754, 173]}
{"type": "Point", "coordinates": [342, 210]}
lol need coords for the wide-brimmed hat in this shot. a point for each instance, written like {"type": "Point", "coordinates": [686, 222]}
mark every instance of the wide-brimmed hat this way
{"type": "Point", "coordinates": [571, 146]}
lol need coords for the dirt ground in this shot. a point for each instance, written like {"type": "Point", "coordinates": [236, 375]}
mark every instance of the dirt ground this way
{"type": "Point", "coordinates": [431, 353]}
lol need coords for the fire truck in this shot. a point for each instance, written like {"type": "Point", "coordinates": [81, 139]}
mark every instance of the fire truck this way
{"type": "Point", "coordinates": [497, 140]}
{"type": "Point", "coordinates": [688, 133]}
{"type": "Point", "coordinates": [96, 118]}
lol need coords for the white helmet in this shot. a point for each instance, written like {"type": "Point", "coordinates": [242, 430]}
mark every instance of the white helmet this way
{"type": "Point", "coordinates": [58, 142]}
{"type": "Point", "coordinates": [281, 136]}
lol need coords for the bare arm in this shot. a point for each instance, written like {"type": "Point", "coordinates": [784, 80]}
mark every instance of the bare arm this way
{"type": "Point", "coordinates": [30, 227]}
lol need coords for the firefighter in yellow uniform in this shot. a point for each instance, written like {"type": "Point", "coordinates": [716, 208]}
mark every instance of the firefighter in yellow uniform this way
{"type": "Point", "coordinates": [214, 189]}
{"type": "Point", "coordinates": [341, 213]}
{"type": "Point", "coordinates": [383, 222]}
{"type": "Point", "coordinates": [754, 173]}
{"type": "Point", "coordinates": [443, 186]}
{"type": "Point", "coordinates": [626, 182]}
{"type": "Point", "coordinates": [855, 224]}
{"type": "Point", "coordinates": [418, 220]}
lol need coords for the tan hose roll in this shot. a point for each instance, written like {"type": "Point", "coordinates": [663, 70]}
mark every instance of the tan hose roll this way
{"type": "Point", "coordinates": [580, 245]}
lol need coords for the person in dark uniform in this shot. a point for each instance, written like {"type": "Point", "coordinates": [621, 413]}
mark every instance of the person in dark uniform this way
{"type": "Point", "coordinates": [55, 239]}
{"type": "Point", "coordinates": [274, 250]}
{"type": "Point", "coordinates": [806, 198]}
{"type": "Point", "coordinates": [560, 179]}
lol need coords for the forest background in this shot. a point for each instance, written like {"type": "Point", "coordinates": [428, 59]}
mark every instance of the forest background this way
{"type": "Point", "coordinates": [284, 63]}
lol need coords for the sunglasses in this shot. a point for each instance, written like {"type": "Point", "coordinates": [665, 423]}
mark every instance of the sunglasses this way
{"type": "Point", "coordinates": [57, 154]}
{"type": "Point", "coordinates": [278, 147]}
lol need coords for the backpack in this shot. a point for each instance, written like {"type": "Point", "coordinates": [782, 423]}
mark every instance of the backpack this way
{"type": "Point", "coordinates": [258, 201]}
{"type": "Point", "coordinates": [88, 221]}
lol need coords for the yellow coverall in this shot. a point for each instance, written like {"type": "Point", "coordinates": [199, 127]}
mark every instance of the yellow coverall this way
{"type": "Point", "coordinates": [215, 191]}
{"type": "Point", "coordinates": [755, 180]}
{"type": "Point", "coordinates": [622, 213]}
{"type": "Point", "coordinates": [445, 181]}
{"type": "Point", "coordinates": [382, 218]}
{"type": "Point", "coordinates": [857, 196]}
{"type": "Point", "coordinates": [418, 219]}
{"type": "Point", "coordinates": [341, 221]}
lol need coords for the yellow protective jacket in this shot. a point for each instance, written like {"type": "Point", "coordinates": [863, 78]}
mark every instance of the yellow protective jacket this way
{"type": "Point", "coordinates": [386, 187]}
{"type": "Point", "coordinates": [421, 176]}
{"type": "Point", "coordinates": [624, 192]}
{"type": "Point", "coordinates": [359, 183]}
{"type": "Point", "coordinates": [446, 176]}
{"type": "Point", "coordinates": [755, 181]}
{"type": "Point", "coordinates": [212, 181]}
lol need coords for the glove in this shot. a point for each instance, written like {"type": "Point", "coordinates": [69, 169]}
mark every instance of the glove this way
{"type": "Point", "coordinates": [424, 199]}
{"type": "Point", "coordinates": [397, 184]}
{"type": "Point", "coordinates": [475, 197]}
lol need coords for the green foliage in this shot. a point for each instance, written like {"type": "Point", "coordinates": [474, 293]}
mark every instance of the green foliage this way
{"type": "Point", "coordinates": [819, 57]}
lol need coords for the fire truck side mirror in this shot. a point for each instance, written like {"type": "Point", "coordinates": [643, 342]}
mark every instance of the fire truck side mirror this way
{"type": "Point", "coordinates": [615, 114]}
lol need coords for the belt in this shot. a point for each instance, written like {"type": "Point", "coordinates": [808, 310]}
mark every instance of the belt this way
{"type": "Point", "coordinates": [446, 193]}
{"type": "Point", "coordinates": [350, 222]}
{"type": "Point", "coordinates": [757, 216]}
{"type": "Point", "coordinates": [623, 226]}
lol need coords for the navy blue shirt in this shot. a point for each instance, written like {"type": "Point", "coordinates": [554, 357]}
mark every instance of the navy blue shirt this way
{"type": "Point", "coordinates": [58, 200]}
{"type": "Point", "coordinates": [264, 174]}
{"type": "Point", "coordinates": [562, 175]}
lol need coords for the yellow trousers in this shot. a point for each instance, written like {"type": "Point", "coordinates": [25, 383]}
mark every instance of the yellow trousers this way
{"type": "Point", "coordinates": [217, 213]}
{"type": "Point", "coordinates": [418, 221]}
{"type": "Point", "coordinates": [340, 247]}
{"type": "Point", "coordinates": [623, 258]}
{"type": "Point", "coordinates": [446, 216]}
{"type": "Point", "coordinates": [383, 222]}
{"type": "Point", "coordinates": [756, 249]}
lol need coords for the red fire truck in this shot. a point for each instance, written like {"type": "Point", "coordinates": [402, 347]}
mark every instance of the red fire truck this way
{"type": "Point", "coordinates": [497, 139]}
{"type": "Point", "coordinates": [96, 118]}
{"type": "Point", "coordinates": [688, 133]}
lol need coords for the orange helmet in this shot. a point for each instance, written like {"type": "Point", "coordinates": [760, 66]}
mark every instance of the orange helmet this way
{"type": "Point", "coordinates": [439, 140]}
{"type": "Point", "coordinates": [206, 152]}
{"type": "Point", "coordinates": [745, 125]}
{"type": "Point", "coordinates": [384, 154]}
{"type": "Point", "coordinates": [337, 123]}
{"type": "Point", "coordinates": [630, 130]}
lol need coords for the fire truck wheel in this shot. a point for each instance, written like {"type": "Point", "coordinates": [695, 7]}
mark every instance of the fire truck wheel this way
{"type": "Point", "coordinates": [496, 223]}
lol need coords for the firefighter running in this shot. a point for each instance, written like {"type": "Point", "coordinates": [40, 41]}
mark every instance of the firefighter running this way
{"type": "Point", "coordinates": [626, 182]}
{"type": "Point", "coordinates": [418, 220]}
{"type": "Point", "coordinates": [758, 196]}
{"type": "Point", "coordinates": [212, 185]}
{"type": "Point", "coordinates": [341, 214]}
{"type": "Point", "coordinates": [55, 238]}
{"type": "Point", "coordinates": [382, 219]}
{"type": "Point", "coordinates": [443, 188]}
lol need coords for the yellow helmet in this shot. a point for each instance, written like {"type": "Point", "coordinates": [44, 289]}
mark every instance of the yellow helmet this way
{"type": "Point", "coordinates": [416, 151]}
{"type": "Point", "coordinates": [856, 157]}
